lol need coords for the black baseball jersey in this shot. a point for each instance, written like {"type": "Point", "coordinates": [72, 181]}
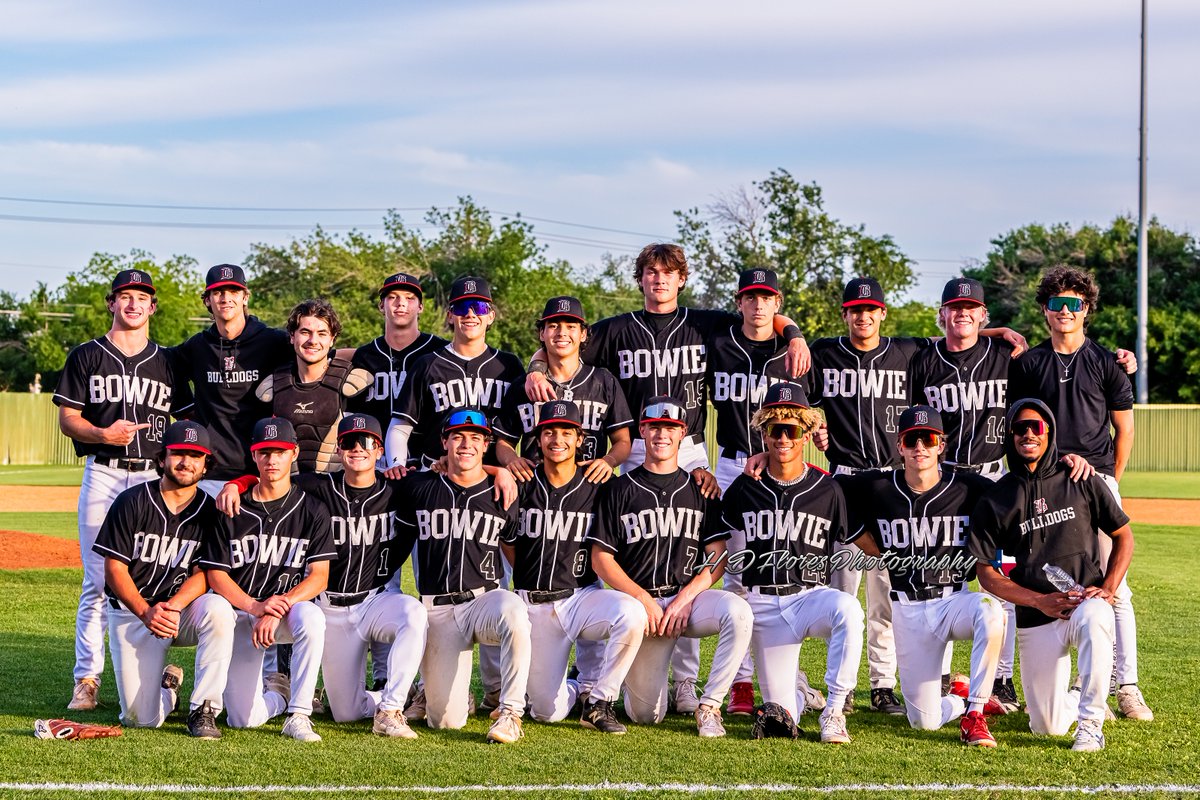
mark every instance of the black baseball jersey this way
{"type": "Point", "coordinates": [739, 372]}
{"type": "Point", "coordinates": [549, 539]}
{"type": "Point", "coordinates": [602, 409]}
{"type": "Point", "coordinates": [1081, 389]}
{"type": "Point", "coordinates": [224, 374]}
{"type": "Point", "coordinates": [106, 386]}
{"type": "Point", "coordinates": [159, 547]}
{"type": "Point", "coordinates": [390, 368]}
{"type": "Point", "coordinates": [268, 546]}
{"type": "Point", "coordinates": [863, 393]}
{"type": "Point", "coordinates": [458, 531]}
{"type": "Point", "coordinates": [790, 530]}
{"type": "Point", "coordinates": [656, 526]}
{"type": "Point", "coordinates": [970, 390]}
{"type": "Point", "coordinates": [923, 536]}
{"type": "Point", "coordinates": [363, 530]}
{"type": "Point", "coordinates": [443, 381]}
{"type": "Point", "coordinates": [659, 354]}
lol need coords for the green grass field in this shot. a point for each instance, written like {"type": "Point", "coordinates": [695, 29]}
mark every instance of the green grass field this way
{"type": "Point", "coordinates": [36, 654]}
{"type": "Point", "coordinates": [39, 475]}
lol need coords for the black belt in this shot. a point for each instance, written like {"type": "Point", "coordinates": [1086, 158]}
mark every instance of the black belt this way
{"type": "Point", "coordinates": [457, 598]}
{"type": "Point", "coordinates": [855, 470]}
{"type": "Point", "coordinates": [549, 597]}
{"type": "Point", "coordinates": [928, 593]}
{"type": "Point", "coordinates": [127, 464]}
{"type": "Point", "coordinates": [976, 468]}
{"type": "Point", "coordinates": [779, 591]}
{"type": "Point", "coordinates": [114, 604]}
{"type": "Point", "coordinates": [344, 600]}
{"type": "Point", "coordinates": [663, 591]}
{"type": "Point", "coordinates": [697, 438]}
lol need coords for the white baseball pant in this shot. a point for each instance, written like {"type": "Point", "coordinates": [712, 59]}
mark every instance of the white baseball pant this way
{"type": "Point", "coordinates": [387, 617]}
{"type": "Point", "coordinates": [881, 641]}
{"type": "Point", "coordinates": [780, 627]}
{"type": "Point", "coordinates": [714, 612]}
{"type": "Point", "coordinates": [99, 489]}
{"type": "Point", "coordinates": [994, 471]}
{"type": "Point", "coordinates": [593, 614]}
{"type": "Point", "coordinates": [247, 704]}
{"type": "Point", "coordinates": [496, 617]}
{"type": "Point", "coordinates": [489, 656]}
{"type": "Point", "coordinates": [138, 657]}
{"type": "Point", "coordinates": [1125, 667]}
{"type": "Point", "coordinates": [726, 473]}
{"type": "Point", "coordinates": [924, 629]}
{"type": "Point", "coordinates": [1052, 707]}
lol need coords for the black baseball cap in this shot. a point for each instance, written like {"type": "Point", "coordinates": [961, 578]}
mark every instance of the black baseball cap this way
{"type": "Point", "coordinates": [273, 432]}
{"type": "Point", "coordinates": [863, 292]}
{"type": "Point", "coordinates": [963, 290]}
{"type": "Point", "coordinates": [921, 418]}
{"type": "Point", "coordinates": [187, 435]}
{"type": "Point", "coordinates": [564, 307]}
{"type": "Point", "coordinates": [359, 423]}
{"type": "Point", "coordinates": [559, 412]}
{"type": "Point", "coordinates": [401, 280]}
{"type": "Point", "coordinates": [664, 409]}
{"type": "Point", "coordinates": [758, 280]}
{"type": "Point", "coordinates": [133, 279]}
{"type": "Point", "coordinates": [470, 287]}
{"type": "Point", "coordinates": [225, 275]}
{"type": "Point", "coordinates": [466, 419]}
{"type": "Point", "coordinates": [786, 395]}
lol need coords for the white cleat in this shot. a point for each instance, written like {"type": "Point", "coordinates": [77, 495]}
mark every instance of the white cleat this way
{"type": "Point", "coordinates": [299, 727]}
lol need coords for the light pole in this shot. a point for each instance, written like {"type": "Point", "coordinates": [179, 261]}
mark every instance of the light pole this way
{"type": "Point", "coordinates": [1143, 246]}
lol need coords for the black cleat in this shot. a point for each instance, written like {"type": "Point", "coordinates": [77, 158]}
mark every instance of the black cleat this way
{"type": "Point", "coordinates": [599, 716]}
{"type": "Point", "coordinates": [886, 702]}
{"type": "Point", "coordinates": [202, 722]}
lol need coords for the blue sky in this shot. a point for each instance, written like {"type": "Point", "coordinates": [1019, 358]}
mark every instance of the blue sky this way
{"type": "Point", "coordinates": [943, 124]}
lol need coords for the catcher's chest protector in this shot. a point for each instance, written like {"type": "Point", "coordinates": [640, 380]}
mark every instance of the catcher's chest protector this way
{"type": "Point", "coordinates": [314, 410]}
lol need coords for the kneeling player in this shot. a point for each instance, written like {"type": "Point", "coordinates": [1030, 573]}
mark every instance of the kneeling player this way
{"type": "Point", "coordinates": [150, 542]}
{"type": "Point", "coordinates": [269, 562]}
{"type": "Point", "coordinates": [657, 539]}
{"type": "Point", "coordinates": [553, 575]}
{"type": "Point", "coordinates": [919, 516]}
{"type": "Point", "coordinates": [789, 522]}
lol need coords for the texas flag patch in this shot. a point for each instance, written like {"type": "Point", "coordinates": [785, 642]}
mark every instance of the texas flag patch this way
{"type": "Point", "coordinates": [1004, 562]}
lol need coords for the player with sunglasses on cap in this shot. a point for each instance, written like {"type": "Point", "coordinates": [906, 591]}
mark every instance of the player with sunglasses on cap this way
{"type": "Point", "coordinates": [783, 529]}
{"type": "Point", "coordinates": [657, 538]}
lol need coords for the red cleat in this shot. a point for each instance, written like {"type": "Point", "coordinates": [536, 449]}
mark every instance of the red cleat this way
{"type": "Point", "coordinates": [974, 730]}
{"type": "Point", "coordinates": [741, 700]}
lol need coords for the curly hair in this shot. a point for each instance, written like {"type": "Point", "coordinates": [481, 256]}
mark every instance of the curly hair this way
{"type": "Point", "coordinates": [321, 309]}
{"type": "Point", "coordinates": [1068, 279]}
{"type": "Point", "coordinates": [809, 419]}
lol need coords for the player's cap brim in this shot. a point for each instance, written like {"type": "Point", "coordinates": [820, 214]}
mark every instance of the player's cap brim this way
{"type": "Point", "coordinates": [145, 287]}
{"type": "Point", "coordinates": [938, 431]}
{"type": "Point", "coordinates": [384, 291]}
{"type": "Point", "coordinates": [219, 284]}
{"type": "Point", "coordinates": [567, 423]}
{"type": "Point", "coordinates": [964, 301]}
{"type": "Point", "coordinates": [372, 434]}
{"type": "Point", "coordinates": [864, 302]}
{"type": "Point", "coordinates": [574, 317]}
{"type": "Point", "coordinates": [468, 426]}
{"type": "Point", "coordinates": [195, 448]}
{"type": "Point", "coordinates": [667, 420]}
{"type": "Point", "coordinates": [759, 287]}
{"type": "Point", "coordinates": [786, 404]}
{"type": "Point", "coordinates": [482, 297]}
{"type": "Point", "coordinates": [278, 445]}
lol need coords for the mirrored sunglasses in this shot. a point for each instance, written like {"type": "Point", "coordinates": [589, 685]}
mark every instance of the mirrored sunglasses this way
{"type": "Point", "coordinates": [670, 411]}
{"type": "Point", "coordinates": [929, 438]}
{"type": "Point", "coordinates": [461, 308]}
{"type": "Point", "coordinates": [352, 440]}
{"type": "Point", "coordinates": [776, 430]}
{"type": "Point", "coordinates": [1037, 427]}
{"type": "Point", "coordinates": [460, 418]}
{"type": "Point", "coordinates": [1072, 304]}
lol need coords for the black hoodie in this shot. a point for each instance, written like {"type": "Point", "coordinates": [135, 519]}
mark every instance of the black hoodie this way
{"type": "Point", "coordinates": [1043, 517]}
{"type": "Point", "coordinates": [224, 374]}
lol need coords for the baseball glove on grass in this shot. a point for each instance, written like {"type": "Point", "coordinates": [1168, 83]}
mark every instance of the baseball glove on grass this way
{"type": "Point", "coordinates": [772, 719]}
{"type": "Point", "coordinates": [66, 729]}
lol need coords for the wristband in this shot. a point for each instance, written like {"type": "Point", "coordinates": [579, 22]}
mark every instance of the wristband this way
{"type": "Point", "coordinates": [792, 332]}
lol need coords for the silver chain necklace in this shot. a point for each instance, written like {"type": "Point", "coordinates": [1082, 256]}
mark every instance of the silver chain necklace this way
{"type": "Point", "coordinates": [1066, 368]}
{"type": "Point", "coordinates": [793, 481]}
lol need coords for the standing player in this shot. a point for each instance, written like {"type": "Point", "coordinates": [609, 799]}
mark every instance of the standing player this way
{"type": "Point", "coordinates": [657, 539]}
{"type": "Point", "coordinates": [113, 399]}
{"type": "Point", "coordinates": [604, 414]}
{"type": "Point", "coordinates": [1081, 381]}
{"type": "Point", "coordinates": [1041, 518]}
{"type": "Point", "coordinates": [150, 542]}
{"type": "Point", "coordinates": [458, 526]}
{"type": "Point", "coordinates": [917, 518]}
{"type": "Point", "coordinates": [552, 573]}
{"type": "Point", "coordinates": [783, 529]}
{"type": "Point", "coordinates": [269, 562]}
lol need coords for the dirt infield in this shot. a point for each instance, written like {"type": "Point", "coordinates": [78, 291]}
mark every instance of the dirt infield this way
{"type": "Point", "coordinates": [39, 498]}
{"type": "Point", "coordinates": [19, 550]}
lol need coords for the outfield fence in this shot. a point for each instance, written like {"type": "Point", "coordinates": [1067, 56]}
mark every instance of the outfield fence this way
{"type": "Point", "coordinates": [1168, 436]}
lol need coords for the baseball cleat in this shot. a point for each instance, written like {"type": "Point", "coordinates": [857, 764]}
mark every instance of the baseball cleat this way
{"type": "Point", "coordinates": [848, 706]}
{"type": "Point", "coordinates": [600, 716]}
{"type": "Point", "coordinates": [393, 724]}
{"type": "Point", "coordinates": [506, 729]}
{"type": "Point", "coordinates": [318, 703]}
{"type": "Point", "coordinates": [741, 699]}
{"type": "Point", "coordinates": [172, 679]}
{"type": "Point", "coordinates": [85, 697]}
{"type": "Point", "coordinates": [886, 702]}
{"type": "Point", "coordinates": [708, 722]}
{"type": "Point", "coordinates": [299, 727]}
{"type": "Point", "coordinates": [1089, 736]}
{"type": "Point", "coordinates": [202, 722]}
{"type": "Point", "coordinates": [833, 728]}
{"type": "Point", "coordinates": [974, 731]}
{"type": "Point", "coordinates": [415, 712]}
{"type": "Point", "coordinates": [490, 704]}
{"type": "Point", "coordinates": [813, 699]}
{"type": "Point", "coordinates": [960, 686]}
{"type": "Point", "coordinates": [1132, 705]}
{"type": "Point", "coordinates": [280, 684]}
{"type": "Point", "coordinates": [683, 697]}
{"type": "Point", "coordinates": [379, 685]}
{"type": "Point", "coordinates": [1005, 694]}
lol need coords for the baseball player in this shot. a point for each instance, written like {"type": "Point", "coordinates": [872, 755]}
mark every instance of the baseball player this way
{"type": "Point", "coordinates": [917, 519]}
{"type": "Point", "coordinates": [458, 525]}
{"type": "Point", "coordinates": [604, 414]}
{"type": "Point", "coordinates": [552, 573]}
{"type": "Point", "coordinates": [156, 592]}
{"type": "Point", "coordinates": [114, 398]}
{"type": "Point", "coordinates": [1082, 382]}
{"type": "Point", "coordinates": [269, 562]}
{"type": "Point", "coordinates": [1063, 591]}
{"type": "Point", "coordinates": [658, 539]}
{"type": "Point", "coordinates": [782, 534]}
